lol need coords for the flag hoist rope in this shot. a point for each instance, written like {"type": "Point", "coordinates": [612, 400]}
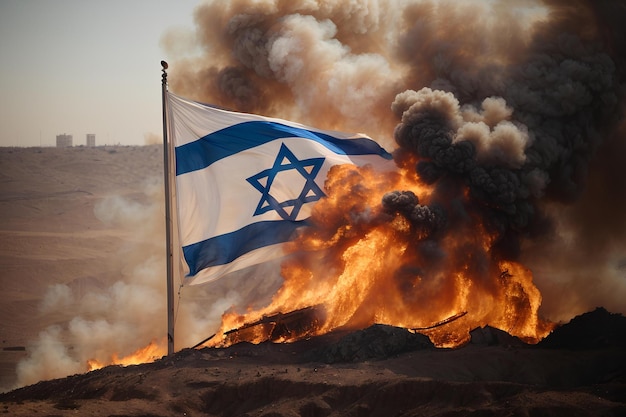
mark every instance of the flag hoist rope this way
{"type": "Point", "coordinates": [168, 217]}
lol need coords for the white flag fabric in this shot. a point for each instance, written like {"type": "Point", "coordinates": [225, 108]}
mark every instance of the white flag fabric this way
{"type": "Point", "coordinates": [245, 183]}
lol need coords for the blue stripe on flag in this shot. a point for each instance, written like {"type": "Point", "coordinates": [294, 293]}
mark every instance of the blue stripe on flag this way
{"type": "Point", "coordinates": [223, 143]}
{"type": "Point", "coordinates": [223, 249]}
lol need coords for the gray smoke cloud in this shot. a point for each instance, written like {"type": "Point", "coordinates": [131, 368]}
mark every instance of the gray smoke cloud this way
{"type": "Point", "coordinates": [517, 103]}
{"type": "Point", "coordinates": [117, 316]}
{"type": "Point", "coordinates": [125, 313]}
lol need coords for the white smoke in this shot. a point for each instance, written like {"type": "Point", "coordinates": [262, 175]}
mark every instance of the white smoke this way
{"type": "Point", "coordinates": [58, 297]}
{"type": "Point", "coordinates": [49, 358]}
{"type": "Point", "coordinates": [117, 319]}
{"type": "Point", "coordinates": [130, 312]}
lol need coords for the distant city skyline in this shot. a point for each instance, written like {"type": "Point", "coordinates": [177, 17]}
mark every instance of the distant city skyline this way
{"type": "Point", "coordinates": [85, 67]}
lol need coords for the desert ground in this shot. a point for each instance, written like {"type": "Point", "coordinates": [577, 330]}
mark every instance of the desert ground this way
{"type": "Point", "coordinates": [54, 230]}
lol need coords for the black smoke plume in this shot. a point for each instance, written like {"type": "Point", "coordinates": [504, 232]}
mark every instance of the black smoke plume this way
{"type": "Point", "coordinates": [511, 111]}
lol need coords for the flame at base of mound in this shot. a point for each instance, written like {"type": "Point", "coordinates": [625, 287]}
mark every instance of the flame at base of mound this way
{"type": "Point", "coordinates": [146, 354]}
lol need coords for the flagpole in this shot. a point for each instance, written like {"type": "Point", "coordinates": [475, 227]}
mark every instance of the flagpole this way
{"type": "Point", "coordinates": [168, 219]}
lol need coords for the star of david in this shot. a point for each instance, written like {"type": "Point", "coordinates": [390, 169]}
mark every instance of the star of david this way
{"type": "Point", "coordinates": [287, 161]}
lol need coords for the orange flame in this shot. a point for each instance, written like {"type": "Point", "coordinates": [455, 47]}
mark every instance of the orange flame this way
{"type": "Point", "coordinates": [146, 354]}
{"type": "Point", "coordinates": [361, 264]}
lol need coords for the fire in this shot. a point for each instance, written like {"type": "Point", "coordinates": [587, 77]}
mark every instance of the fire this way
{"type": "Point", "coordinates": [365, 264]}
{"type": "Point", "coordinates": [146, 354]}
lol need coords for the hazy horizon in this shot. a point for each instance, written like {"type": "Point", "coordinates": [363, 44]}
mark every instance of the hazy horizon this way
{"type": "Point", "coordinates": [80, 67]}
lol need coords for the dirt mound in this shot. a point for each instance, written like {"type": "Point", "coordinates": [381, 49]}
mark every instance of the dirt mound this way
{"type": "Point", "coordinates": [254, 380]}
{"type": "Point", "coordinates": [378, 371]}
{"type": "Point", "coordinates": [490, 336]}
{"type": "Point", "coordinates": [376, 342]}
{"type": "Point", "coordinates": [595, 329]}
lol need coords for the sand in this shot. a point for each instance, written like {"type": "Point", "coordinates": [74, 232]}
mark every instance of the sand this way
{"type": "Point", "coordinates": [50, 234]}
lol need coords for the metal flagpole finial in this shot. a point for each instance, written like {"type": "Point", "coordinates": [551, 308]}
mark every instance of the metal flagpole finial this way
{"type": "Point", "coordinates": [164, 70]}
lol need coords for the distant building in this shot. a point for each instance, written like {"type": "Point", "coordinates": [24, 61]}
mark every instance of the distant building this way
{"type": "Point", "coordinates": [91, 139]}
{"type": "Point", "coordinates": [64, 141]}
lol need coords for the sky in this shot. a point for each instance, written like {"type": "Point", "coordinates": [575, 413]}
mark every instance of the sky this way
{"type": "Point", "coordinates": [84, 66]}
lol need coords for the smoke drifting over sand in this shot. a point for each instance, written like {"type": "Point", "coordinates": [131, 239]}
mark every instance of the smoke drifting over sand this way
{"type": "Point", "coordinates": [112, 320]}
{"type": "Point", "coordinates": [512, 100]}
{"type": "Point", "coordinates": [107, 319]}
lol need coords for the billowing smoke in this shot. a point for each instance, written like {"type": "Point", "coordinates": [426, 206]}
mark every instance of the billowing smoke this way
{"type": "Point", "coordinates": [323, 63]}
{"type": "Point", "coordinates": [115, 316]}
{"type": "Point", "coordinates": [508, 110]}
{"type": "Point", "coordinates": [523, 144]}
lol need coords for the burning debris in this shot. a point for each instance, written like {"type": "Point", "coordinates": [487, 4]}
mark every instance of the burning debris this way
{"type": "Point", "coordinates": [296, 325]}
{"type": "Point", "coordinates": [496, 111]}
{"type": "Point", "coordinates": [279, 327]}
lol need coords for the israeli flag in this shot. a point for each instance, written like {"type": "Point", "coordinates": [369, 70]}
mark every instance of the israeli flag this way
{"type": "Point", "coordinates": [245, 183]}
